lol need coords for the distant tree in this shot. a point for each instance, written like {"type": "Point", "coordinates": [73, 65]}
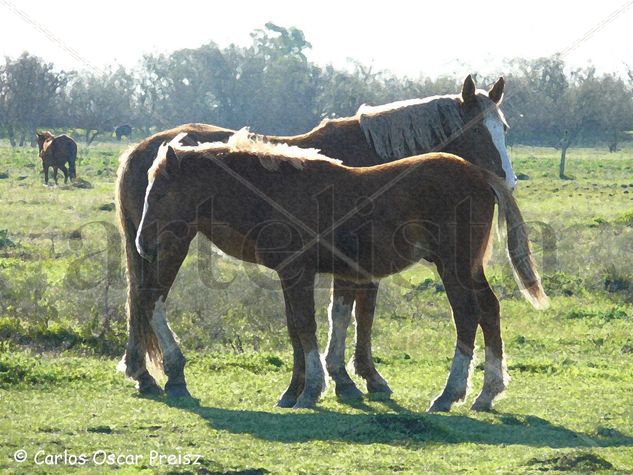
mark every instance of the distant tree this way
{"type": "Point", "coordinates": [276, 87]}
{"type": "Point", "coordinates": [30, 88]}
{"type": "Point", "coordinates": [614, 109]}
{"type": "Point", "coordinates": [342, 92]}
{"type": "Point", "coordinates": [574, 112]}
{"type": "Point", "coordinates": [536, 93]}
{"type": "Point", "coordinates": [96, 103]}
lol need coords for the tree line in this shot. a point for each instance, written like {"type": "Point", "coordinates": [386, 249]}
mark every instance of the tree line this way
{"type": "Point", "coordinates": [271, 86]}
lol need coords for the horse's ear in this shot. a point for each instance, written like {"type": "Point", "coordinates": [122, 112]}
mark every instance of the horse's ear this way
{"type": "Point", "coordinates": [172, 162]}
{"type": "Point", "coordinates": [468, 89]}
{"type": "Point", "coordinates": [496, 91]}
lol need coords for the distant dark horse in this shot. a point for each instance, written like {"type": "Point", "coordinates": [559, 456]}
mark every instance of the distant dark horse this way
{"type": "Point", "coordinates": [55, 152]}
{"type": "Point", "coordinates": [124, 130]}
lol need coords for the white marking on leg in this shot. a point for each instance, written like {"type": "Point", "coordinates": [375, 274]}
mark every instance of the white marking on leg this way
{"type": "Point", "coordinates": [121, 367]}
{"type": "Point", "coordinates": [495, 378]}
{"type": "Point", "coordinates": [315, 376]}
{"type": "Point", "coordinates": [340, 316]}
{"type": "Point", "coordinates": [457, 384]}
{"type": "Point", "coordinates": [166, 337]}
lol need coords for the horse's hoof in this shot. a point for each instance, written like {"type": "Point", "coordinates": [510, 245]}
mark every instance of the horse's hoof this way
{"type": "Point", "coordinates": [178, 391]}
{"type": "Point", "coordinates": [440, 405]}
{"type": "Point", "coordinates": [379, 387]}
{"type": "Point", "coordinates": [305, 401]}
{"type": "Point", "coordinates": [482, 406]}
{"type": "Point", "coordinates": [286, 401]}
{"type": "Point", "coordinates": [348, 392]}
{"type": "Point", "coordinates": [150, 389]}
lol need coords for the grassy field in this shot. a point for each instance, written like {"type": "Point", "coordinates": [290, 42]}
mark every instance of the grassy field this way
{"type": "Point", "coordinates": [569, 406]}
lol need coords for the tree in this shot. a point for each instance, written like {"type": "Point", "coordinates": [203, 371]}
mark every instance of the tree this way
{"type": "Point", "coordinates": [29, 91]}
{"type": "Point", "coordinates": [96, 103]}
{"type": "Point", "coordinates": [276, 87]}
{"type": "Point", "coordinates": [537, 92]}
{"type": "Point", "coordinates": [614, 109]}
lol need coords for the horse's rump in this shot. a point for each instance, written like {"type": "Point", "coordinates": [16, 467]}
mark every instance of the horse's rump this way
{"type": "Point", "coordinates": [64, 149]}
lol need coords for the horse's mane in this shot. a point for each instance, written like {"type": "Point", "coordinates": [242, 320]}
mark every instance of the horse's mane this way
{"type": "Point", "coordinates": [269, 155]}
{"type": "Point", "coordinates": [404, 128]}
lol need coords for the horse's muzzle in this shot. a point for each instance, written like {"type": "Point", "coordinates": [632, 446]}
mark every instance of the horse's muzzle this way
{"type": "Point", "coordinates": [146, 252]}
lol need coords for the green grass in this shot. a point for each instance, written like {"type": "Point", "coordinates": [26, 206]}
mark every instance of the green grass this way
{"type": "Point", "coordinates": [568, 408]}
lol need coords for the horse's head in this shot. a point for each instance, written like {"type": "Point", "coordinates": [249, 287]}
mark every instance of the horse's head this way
{"type": "Point", "coordinates": [168, 210]}
{"type": "Point", "coordinates": [42, 139]}
{"type": "Point", "coordinates": [483, 140]}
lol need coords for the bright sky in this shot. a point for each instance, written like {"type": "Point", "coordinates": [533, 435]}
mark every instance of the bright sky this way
{"type": "Point", "coordinates": [407, 37]}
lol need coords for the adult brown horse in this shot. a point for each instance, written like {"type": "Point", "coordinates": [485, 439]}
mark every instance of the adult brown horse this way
{"type": "Point", "coordinates": [56, 152]}
{"type": "Point", "coordinates": [469, 125]}
{"type": "Point", "coordinates": [263, 203]}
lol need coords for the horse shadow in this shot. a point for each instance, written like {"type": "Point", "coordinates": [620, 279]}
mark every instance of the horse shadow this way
{"type": "Point", "coordinates": [398, 426]}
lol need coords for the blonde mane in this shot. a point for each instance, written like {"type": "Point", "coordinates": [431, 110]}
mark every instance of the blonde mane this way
{"type": "Point", "coordinates": [269, 155]}
{"type": "Point", "coordinates": [404, 128]}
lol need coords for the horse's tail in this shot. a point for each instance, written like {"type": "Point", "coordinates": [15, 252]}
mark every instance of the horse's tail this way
{"type": "Point", "coordinates": [138, 320]}
{"type": "Point", "coordinates": [521, 259]}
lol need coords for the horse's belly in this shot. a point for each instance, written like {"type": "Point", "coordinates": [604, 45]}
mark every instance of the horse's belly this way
{"type": "Point", "coordinates": [231, 243]}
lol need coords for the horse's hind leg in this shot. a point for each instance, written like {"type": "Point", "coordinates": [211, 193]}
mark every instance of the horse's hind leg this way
{"type": "Point", "coordinates": [299, 296]}
{"type": "Point", "coordinates": [133, 362]}
{"type": "Point", "coordinates": [55, 174]}
{"type": "Point", "coordinates": [363, 360]}
{"type": "Point", "coordinates": [461, 295]}
{"type": "Point", "coordinates": [148, 288]}
{"type": "Point", "coordinates": [340, 315]}
{"type": "Point", "coordinates": [65, 172]}
{"type": "Point", "coordinates": [495, 376]}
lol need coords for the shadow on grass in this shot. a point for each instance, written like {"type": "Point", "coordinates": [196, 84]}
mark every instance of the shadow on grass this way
{"type": "Point", "coordinates": [397, 427]}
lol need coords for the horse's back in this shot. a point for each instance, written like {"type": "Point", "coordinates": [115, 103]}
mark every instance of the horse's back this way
{"type": "Point", "coordinates": [440, 170]}
{"type": "Point", "coordinates": [64, 145]}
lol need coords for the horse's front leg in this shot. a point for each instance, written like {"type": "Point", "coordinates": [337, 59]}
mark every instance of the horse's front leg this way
{"type": "Point", "coordinates": [340, 314]}
{"type": "Point", "coordinates": [297, 381]}
{"type": "Point", "coordinates": [55, 174]}
{"type": "Point", "coordinates": [363, 359]}
{"type": "Point", "coordinates": [171, 254]}
{"type": "Point", "coordinates": [299, 295]}
{"type": "Point", "coordinates": [46, 167]}
{"type": "Point", "coordinates": [463, 300]}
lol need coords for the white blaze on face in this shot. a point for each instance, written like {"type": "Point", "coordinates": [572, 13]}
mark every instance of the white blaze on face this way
{"type": "Point", "coordinates": [493, 123]}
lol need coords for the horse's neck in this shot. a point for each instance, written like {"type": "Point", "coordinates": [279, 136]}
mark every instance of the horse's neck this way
{"type": "Point", "coordinates": [342, 139]}
{"type": "Point", "coordinates": [307, 140]}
